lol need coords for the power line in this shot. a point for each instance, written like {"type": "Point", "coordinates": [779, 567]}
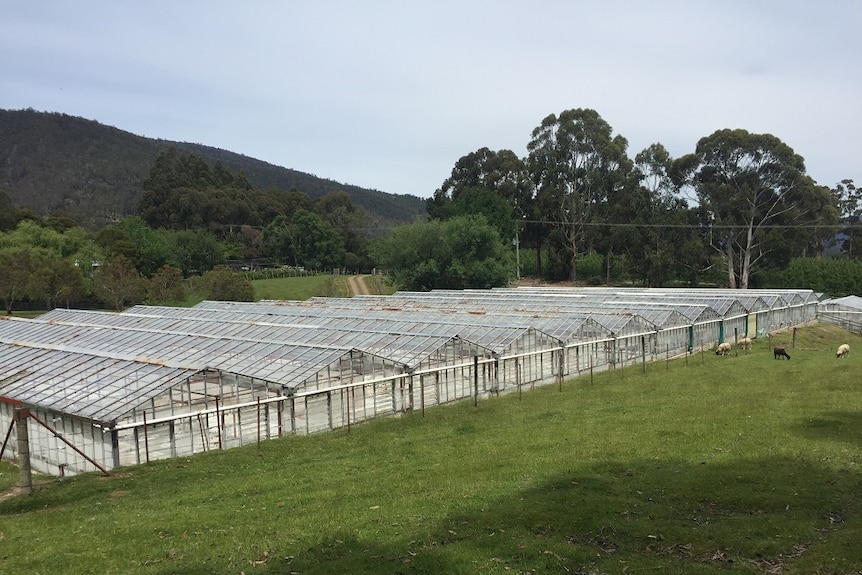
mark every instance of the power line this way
{"type": "Point", "coordinates": [697, 226]}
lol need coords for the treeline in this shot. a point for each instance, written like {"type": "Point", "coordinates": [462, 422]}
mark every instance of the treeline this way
{"type": "Point", "coordinates": [739, 211]}
{"type": "Point", "coordinates": [194, 218]}
{"type": "Point", "coordinates": [185, 194]}
{"type": "Point", "coordinates": [51, 262]}
{"type": "Point", "coordinates": [735, 212]}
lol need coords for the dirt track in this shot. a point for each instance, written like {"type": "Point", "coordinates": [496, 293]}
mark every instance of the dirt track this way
{"type": "Point", "coordinates": [357, 285]}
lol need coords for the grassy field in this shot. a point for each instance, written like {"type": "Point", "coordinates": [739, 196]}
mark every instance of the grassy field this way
{"type": "Point", "coordinates": [301, 288]}
{"type": "Point", "coordinates": [740, 464]}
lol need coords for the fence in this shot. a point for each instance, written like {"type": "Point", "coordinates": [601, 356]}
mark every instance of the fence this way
{"type": "Point", "coordinates": [849, 320]}
{"type": "Point", "coordinates": [222, 412]}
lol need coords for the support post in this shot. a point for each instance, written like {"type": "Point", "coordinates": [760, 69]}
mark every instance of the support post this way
{"type": "Point", "coordinates": [475, 380]}
{"type": "Point", "coordinates": [25, 476]}
{"type": "Point", "coordinates": [643, 352]}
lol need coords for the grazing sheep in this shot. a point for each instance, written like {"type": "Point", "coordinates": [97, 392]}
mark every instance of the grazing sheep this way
{"type": "Point", "coordinates": [745, 343]}
{"type": "Point", "coordinates": [843, 350]}
{"type": "Point", "coordinates": [779, 352]}
{"type": "Point", "coordinates": [722, 349]}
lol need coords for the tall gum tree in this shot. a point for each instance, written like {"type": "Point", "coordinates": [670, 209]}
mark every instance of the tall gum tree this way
{"type": "Point", "coordinates": [755, 195]}
{"type": "Point", "coordinates": [495, 184]}
{"type": "Point", "coordinates": [576, 163]}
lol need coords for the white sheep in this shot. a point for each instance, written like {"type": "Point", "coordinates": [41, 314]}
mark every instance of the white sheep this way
{"type": "Point", "coordinates": [843, 350]}
{"type": "Point", "coordinates": [722, 349]}
{"type": "Point", "coordinates": [745, 343]}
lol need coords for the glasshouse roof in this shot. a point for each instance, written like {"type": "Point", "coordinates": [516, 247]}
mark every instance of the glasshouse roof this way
{"type": "Point", "coordinates": [97, 387]}
{"type": "Point", "coordinates": [380, 332]}
{"type": "Point", "coordinates": [406, 343]}
{"type": "Point", "coordinates": [276, 362]}
{"type": "Point", "coordinates": [62, 357]}
{"type": "Point", "coordinates": [849, 303]}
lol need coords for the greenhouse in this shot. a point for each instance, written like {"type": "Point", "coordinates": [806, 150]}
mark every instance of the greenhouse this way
{"type": "Point", "coordinates": [843, 311]}
{"type": "Point", "coordinates": [99, 390]}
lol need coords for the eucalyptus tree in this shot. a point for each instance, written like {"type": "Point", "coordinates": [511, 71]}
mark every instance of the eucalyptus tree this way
{"type": "Point", "coordinates": [657, 230]}
{"type": "Point", "coordinates": [849, 199]}
{"type": "Point", "coordinates": [494, 184]}
{"type": "Point", "coordinates": [305, 240]}
{"type": "Point", "coordinates": [502, 173]}
{"type": "Point", "coordinates": [350, 222]}
{"type": "Point", "coordinates": [757, 201]}
{"type": "Point", "coordinates": [576, 163]}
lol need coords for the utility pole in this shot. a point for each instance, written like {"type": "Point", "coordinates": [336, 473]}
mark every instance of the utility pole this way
{"type": "Point", "coordinates": [517, 243]}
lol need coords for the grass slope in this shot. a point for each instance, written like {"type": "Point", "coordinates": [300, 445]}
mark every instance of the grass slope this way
{"type": "Point", "coordinates": [708, 464]}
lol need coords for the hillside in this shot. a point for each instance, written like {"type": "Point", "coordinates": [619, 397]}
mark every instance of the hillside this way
{"type": "Point", "coordinates": [51, 162]}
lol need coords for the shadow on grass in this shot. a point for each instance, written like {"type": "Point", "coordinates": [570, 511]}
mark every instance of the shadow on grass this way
{"type": "Point", "coordinates": [845, 426]}
{"type": "Point", "coordinates": [672, 517]}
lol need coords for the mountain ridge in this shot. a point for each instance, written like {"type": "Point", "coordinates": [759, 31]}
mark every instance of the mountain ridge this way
{"type": "Point", "coordinates": [51, 162]}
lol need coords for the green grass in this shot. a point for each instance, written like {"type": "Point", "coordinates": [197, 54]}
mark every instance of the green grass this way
{"type": "Point", "coordinates": [740, 464]}
{"type": "Point", "coordinates": [300, 288]}
{"type": "Point", "coordinates": [286, 288]}
{"type": "Point", "coordinates": [27, 314]}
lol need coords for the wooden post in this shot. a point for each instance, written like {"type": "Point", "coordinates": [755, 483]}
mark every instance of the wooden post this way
{"type": "Point", "coordinates": [475, 381]}
{"type": "Point", "coordinates": [219, 422]}
{"type": "Point", "coordinates": [643, 351]}
{"type": "Point", "coordinates": [146, 438]}
{"type": "Point", "coordinates": [25, 476]}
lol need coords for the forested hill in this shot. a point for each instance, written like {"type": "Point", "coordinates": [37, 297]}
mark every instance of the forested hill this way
{"type": "Point", "coordinates": [51, 162]}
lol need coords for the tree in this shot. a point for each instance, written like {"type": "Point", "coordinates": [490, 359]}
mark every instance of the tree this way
{"type": "Point", "coordinates": [195, 251]}
{"type": "Point", "coordinates": [221, 284]}
{"type": "Point", "coordinates": [755, 196]}
{"type": "Point", "coordinates": [305, 240]}
{"type": "Point", "coordinates": [654, 227]}
{"type": "Point", "coordinates": [166, 286]}
{"type": "Point", "coordinates": [183, 192]}
{"type": "Point", "coordinates": [494, 184]}
{"type": "Point", "coordinates": [56, 280]}
{"type": "Point", "coordinates": [114, 242]}
{"type": "Point", "coordinates": [575, 163]}
{"type": "Point", "coordinates": [8, 213]}
{"type": "Point", "coordinates": [152, 247]}
{"type": "Point", "coordinates": [117, 283]}
{"type": "Point", "coordinates": [348, 221]}
{"type": "Point", "coordinates": [849, 199]}
{"type": "Point", "coordinates": [459, 253]}
{"type": "Point", "coordinates": [16, 266]}
{"type": "Point", "coordinates": [501, 173]}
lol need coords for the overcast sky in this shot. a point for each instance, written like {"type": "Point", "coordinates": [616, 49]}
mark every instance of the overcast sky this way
{"type": "Point", "coordinates": [390, 94]}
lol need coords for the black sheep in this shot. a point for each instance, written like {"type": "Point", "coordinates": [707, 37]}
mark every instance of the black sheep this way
{"type": "Point", "coordinates": [779, 352]}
